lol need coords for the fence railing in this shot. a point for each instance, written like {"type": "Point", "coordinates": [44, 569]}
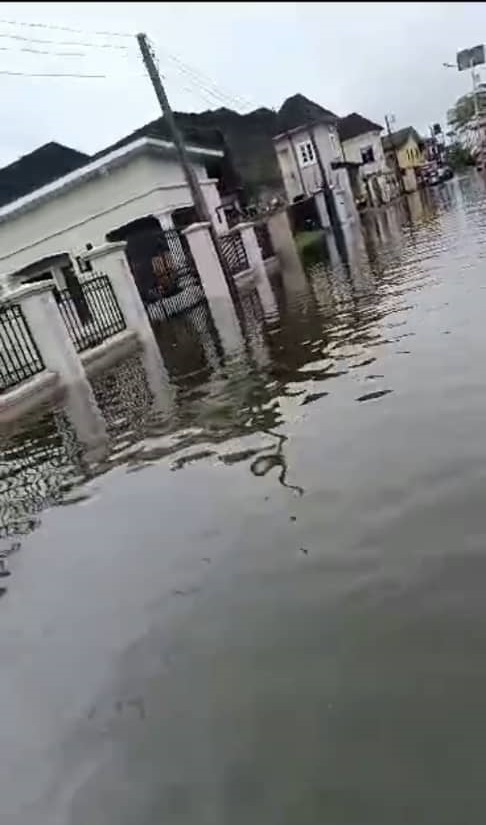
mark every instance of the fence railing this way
{"type": "Point", "coordinates": [19, 357]}
{"type": "Point", "coordinates": [100, 318]}
{"type": "Point", "coordinates": [234, 252]}
{"type": "Point", "coordinates": [264, 240]}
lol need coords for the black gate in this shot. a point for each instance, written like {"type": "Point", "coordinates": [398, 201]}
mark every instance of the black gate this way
{"type": "Point", "coordinates": [164, 271]}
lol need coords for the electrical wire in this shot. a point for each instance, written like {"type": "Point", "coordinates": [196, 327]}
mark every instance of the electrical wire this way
{"type": "Point", "coordinates": [62, 42]}
{"type": "Point", "coordinates": [205, 82]}
{"type": "Point", "coordinates": [63, 28]}
{"type": "Point", "coordinates": [40, 51]}
{"type": "Point", "coordinates": [50, 74]}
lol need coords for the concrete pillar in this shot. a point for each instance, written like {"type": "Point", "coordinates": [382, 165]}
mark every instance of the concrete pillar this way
{"type": "Point", "coordinates": [110, 259]}
{"type": "Point", "coordinates": [214, 285]}
{"type": "Point", "coordinates": [207, 262]}
{"type": "Point", "coordinates": [255, 259]}
{"type": "Point", "coordinates": [49, 331]}
{"type": "Point", "coordinates": [321, 207]}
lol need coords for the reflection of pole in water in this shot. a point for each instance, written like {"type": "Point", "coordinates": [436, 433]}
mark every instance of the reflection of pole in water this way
{"type": "Point", "coordinates": [86, 419]}
{"type": "Point", "coordinates": [227, 325]}
{"type": "Point", "coordinates": [157, 376]}
{"type": "Point", "coordinates": [264, 463]}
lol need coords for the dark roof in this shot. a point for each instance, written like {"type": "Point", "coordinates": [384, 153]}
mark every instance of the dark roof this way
{"type": "Point", "coordinates": [398, 138]}
{"type": "Point", "coordinates": [43, 165]}
{"type": "Point", "coordinates": [298, 110]}
{"type": "Point", "coordinates": [194, 135]}
{"type": "Point", "coordinates": [355, 124]}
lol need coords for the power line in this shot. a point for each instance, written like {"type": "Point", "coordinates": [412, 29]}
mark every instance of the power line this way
{"type": "Point", "coordinates": [40, 51]}
{"type": "Point", "coordinates": [62, 42]}
{"type": "Point", "coordinates": [64, 28]}
{"type": "Point", "coordinates": [205, 81]}
{"type": "Point", "coordinates": [50, 74]}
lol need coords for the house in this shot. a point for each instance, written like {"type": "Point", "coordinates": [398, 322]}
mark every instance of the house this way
{"type": "Point", "coordinates": [361, 143]}
{"type": "Point", "coordinates": [310, 156]}
{"type": "Point", "coordinates": [120, 192]}
{"type": "Point", "coordinates": [404, 149]}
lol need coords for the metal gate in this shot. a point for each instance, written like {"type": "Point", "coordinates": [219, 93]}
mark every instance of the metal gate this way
{"type": "Point", "coordinates": [165, 272]}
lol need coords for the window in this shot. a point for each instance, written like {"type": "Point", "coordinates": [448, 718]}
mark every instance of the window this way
{"type": "Point", "coordinates": [367, 154]}
{"type": "Point", "coordinates": [306, 153]}
{"type": "Point", "coordinates": [332, 141]}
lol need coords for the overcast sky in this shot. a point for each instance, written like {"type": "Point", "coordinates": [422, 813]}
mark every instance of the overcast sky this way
{"type": "Point", "coordinates": [371, 58]}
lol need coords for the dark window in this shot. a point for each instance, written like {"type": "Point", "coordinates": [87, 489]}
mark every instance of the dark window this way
{"type": "Point", "coordinates": [367, 154]}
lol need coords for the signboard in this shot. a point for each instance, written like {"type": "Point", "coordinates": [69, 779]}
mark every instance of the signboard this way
{"type": "Point", "coordinates": [470, 57]}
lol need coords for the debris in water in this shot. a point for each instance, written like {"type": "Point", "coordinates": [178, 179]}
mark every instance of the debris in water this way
{"type": "Point", "coordinates": [370, 395]}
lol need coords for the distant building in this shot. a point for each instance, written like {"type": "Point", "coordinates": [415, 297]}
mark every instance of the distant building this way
{"type": "Point", "coordinates": [361, 143]}
{"type": "Point", "coordinates": [310, 156]}
{"type": "Point", "coordinates": [405, 148]}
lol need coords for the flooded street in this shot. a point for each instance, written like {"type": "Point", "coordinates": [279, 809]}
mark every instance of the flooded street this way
{"type": "Point", "coordinates": [261, 598]}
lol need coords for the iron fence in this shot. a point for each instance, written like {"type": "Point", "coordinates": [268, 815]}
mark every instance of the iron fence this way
{"type": "Point", "coordinates": [103, 319]}
{"type": "Point", "coordinates": [180, 261]}
{"type": "Point", "coordinates": [234, 252]}
{"type": "Point", "coordinates": [19, 357]}
{"type": "Point", "coordinates": [264, 240]}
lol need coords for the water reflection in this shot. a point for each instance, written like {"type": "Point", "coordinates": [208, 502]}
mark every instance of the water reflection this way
{"type": "Point", "coordinates": [220, 380]}
{"type": "Point", "coordinates": [264, 594]}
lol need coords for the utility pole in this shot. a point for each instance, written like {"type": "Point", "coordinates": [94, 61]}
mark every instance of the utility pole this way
{"type": "Point", "coordinates": [395, 155]}
{"type": "Point", "coordinates": [200, 205]}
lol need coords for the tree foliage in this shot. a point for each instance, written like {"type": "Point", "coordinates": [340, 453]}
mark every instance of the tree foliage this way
{"type": "Point", "coordinates": [458, 157]}
{"type": "Point", "coordinates": [462, 111]}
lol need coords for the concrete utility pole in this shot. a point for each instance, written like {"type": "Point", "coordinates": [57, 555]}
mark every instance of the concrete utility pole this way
{"type": "Point", "coordinates": [190, 175]}
{"type": "Point", "coordinates": [200, 205]}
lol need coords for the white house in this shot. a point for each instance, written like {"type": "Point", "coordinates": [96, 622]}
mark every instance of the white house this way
{"type": "Point", "coordinates": [143, 179]}
{"type": "Point", "coordinates": [307, 146]}
{"type": "Point", "coordinates": [361, 143]}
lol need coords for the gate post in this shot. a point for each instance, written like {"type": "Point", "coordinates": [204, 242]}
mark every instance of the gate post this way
{"type": "Point", "coordinates": [111, 260]}
{"type": "Point", "coordinates": [207, 261]}
{"type": "Point", "coordinates": [49, 331]}
{"type": "Point", "coordinates": [255, 259]}
{"type": "Point", "coordinates": [214, 285]}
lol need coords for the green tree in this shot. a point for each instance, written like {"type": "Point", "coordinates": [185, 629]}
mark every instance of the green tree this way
{"type": "Point", "coordinates": [458, 157]}
{"type": "Point", "coordinates": [462, 111]}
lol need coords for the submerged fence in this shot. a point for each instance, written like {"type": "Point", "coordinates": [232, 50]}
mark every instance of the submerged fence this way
{"type": "Point", "coordinates": [97, 318]}
{"type": "Point", "coordinates": [19, 357]}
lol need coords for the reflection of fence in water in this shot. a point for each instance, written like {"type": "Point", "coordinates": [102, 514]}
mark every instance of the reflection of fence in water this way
{"type": "Point", "coordinates": [40, 462]}
{"type": "Point", "coordinates": [19, 357]}
{"type": "Point", "coordinates": [124, 398]}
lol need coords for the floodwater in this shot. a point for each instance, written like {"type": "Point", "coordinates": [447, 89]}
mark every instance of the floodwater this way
{"type": "Point", "coordinates": [260, 596]}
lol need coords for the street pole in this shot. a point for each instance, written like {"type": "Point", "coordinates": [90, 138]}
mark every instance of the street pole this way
{"type": "Point", "coordinates": [395, 155]}
{"type": "Point", "coordinates": [190, 175]}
